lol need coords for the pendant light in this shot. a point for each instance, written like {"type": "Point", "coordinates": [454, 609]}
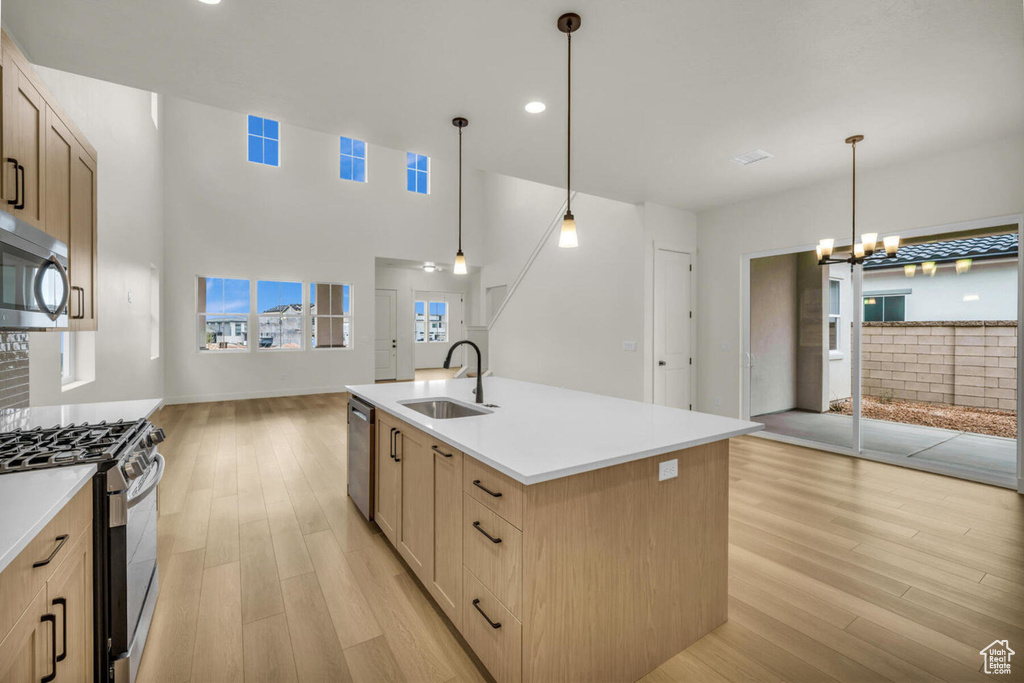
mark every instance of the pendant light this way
{"type": "Point", "coordinates": [460, 260]}
{"type": "Point", "coordinates": [567, 24]}
{"type": "Point", "coordinates": [859, 251]}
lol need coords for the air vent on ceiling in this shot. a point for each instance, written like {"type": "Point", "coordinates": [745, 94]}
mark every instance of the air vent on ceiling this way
{"type": "Point", "coordinates": [752, 157]}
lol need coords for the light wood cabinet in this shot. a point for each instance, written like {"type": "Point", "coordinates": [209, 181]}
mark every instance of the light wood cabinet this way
{"type": "Point", "coordinates": [602, 575]}
{"type": "Point", "coordinates": [82, 270]}
{"type": "Point", "coordinates": [446, 582]}
{"type": "Point", "coordinates": [416, 532]}
{"type": "Point", "coordinates": [388, 499]}
{"type": "Point", "coordinates": [48, 176]}
{"type": "Point", "coordinates": [51, 632]}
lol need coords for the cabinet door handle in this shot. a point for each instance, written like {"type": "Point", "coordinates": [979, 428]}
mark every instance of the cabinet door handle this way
{"type": "Point", "coordinates": [64, 628]}
{"type": "Point", "coordinates": [476, 483]}
{"type": "Point", "coordinates": [398, 433]}
{"type": "Point", "coordinates": [492, 539]}
{"type": "Point", "coordinates": [61, 540]}
{"type": "Point", "coordinates": [440, 452]}
{"type": "Point", "coordinates": [21, 202]}
{"type": "Point", "coordinates": [53, 651]}
{"type": "Point", "coordinates": [392, 453]}
{"type": "Point", "coordinates": [81, 302]}
{"type": "Point", "coordinates": [494, 624]}
{"type": "Point", "coordinates": [13, 202]}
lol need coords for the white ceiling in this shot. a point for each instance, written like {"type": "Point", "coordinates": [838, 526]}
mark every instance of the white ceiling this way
{"type": "Point", "coordinates": [665, 91]}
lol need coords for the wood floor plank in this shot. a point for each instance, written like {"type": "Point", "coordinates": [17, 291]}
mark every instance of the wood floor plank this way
{"type": "Point", "coordinates": [353, 619]}
{"type": "Point", "coordinates": [250, 491]}
{"type": "Point", "coordinates": [373, 662]}
{"type": "Point", "coordinates": [218, 650]}
{"type": "Point", "coordinates": [261, 586]}
{"type": "Point", "coordinates": [172, 633]}
{"type": "Point", "coordinates": [222, 536]}
{"type": "Point", "coordinates": [193, 522]}
{"type": "Point", "coordinates": [318, 654]}
{"type": "Point", "coordinates": [306, 507]}
{"type": "Point", "coordinates": [289, 548]}
{"type": "Point", "coordinates": [268, 651]}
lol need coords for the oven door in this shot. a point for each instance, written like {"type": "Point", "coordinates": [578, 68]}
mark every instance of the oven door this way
{"type": "Point", "coordinates": [134, 580]}
{"type": "Point", "coordinates": [34, 285]}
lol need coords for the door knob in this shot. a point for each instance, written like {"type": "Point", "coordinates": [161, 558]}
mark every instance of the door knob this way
{"type": "Point", "coordinates": [661, 362]}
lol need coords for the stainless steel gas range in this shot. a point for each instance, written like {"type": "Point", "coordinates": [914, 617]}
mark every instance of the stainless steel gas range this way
{"type": "Point", "coordinates": [124, 525]}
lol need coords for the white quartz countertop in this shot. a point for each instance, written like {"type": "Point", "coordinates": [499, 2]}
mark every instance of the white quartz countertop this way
{"type": "Point", "coordinates": [78, 413]}
{"type": "Point", "coordinates": [29, 500]}
{"type": "Point", "coordinates": [538, 432]}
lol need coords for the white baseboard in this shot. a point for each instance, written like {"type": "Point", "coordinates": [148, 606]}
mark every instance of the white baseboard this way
{"type": "Point", "coordinates": [243, 395]}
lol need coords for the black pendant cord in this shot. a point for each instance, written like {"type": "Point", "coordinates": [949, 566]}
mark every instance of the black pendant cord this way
{"type": "Point", "coordinates": [460, 189]}
{"type": "Point", "coordinates": [853, 222]}
{"type": "Point", "coordinates": [568, 135]}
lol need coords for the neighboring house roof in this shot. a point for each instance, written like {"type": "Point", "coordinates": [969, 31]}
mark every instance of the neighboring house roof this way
{"type": "Point", "coordinates": [284, 308]}
{"type": "Point", "coordinates": [989, 246]}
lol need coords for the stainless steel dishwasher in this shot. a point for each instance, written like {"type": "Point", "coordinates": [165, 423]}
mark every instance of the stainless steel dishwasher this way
{"type": "Point", "coordinates": [361, 455]}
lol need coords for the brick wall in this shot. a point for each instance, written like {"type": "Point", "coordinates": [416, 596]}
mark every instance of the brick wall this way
{"type": "Point", "coordinates": [966, 363]}
{"type": "Point", "coordinates": [13, 370]}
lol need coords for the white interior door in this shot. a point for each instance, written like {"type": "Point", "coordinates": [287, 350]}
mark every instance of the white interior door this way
{"type": "Point", "coordinates": [672, 344]}
{"type": "Point", "coordinates": [386, 335]}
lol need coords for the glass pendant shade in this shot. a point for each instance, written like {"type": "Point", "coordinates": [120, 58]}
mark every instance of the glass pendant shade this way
{"type": "Point", "coordinates": [910, 270]}
{"type": "Point", "coordinates": [460, 264]}
{"type": "Point", "coordinates": [928, 268]}
{"type": "Point", "coordinates": [869, 240]}
{"type": "Point", "coordinates": [567, 238]}
{"type": "Point", "coordinates": [892, 245]}
{"type": "Point", "coordinates": [826, 246]}
{"type": "Point", "coordinates": [858, 250]}
{"type": "Point", "coordinates": [963, 266]}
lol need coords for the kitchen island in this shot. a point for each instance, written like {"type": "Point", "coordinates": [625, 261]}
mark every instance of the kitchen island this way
{"type": "Point", "coordinates": [568, 536]}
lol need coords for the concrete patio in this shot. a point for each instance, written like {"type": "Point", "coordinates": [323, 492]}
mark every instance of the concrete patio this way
{"type": "Point", "coordinates": [983, 458]}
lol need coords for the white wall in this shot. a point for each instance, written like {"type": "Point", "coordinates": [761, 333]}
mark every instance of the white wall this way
{"type": "Point", "coordinates": [228, 217]}
{"type": "Point", "coordinates": [952, 186]}
{"type": "Point", "coordinates": [773, 333]}
{"type": "Point", "coordinates": [566, 322]}
{"type": "Point", "coordinates": [407, 282]}
{"type": "Point", "coordinates": [941, 296]}
{"type": "Point", "coordinates": [117, 121]}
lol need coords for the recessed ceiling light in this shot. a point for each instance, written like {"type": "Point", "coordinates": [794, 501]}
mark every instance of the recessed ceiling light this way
{"type": "Point", "coordinates": [210, 2]}
{"type": "Point", "coordinates": [429, 267]}
{"type": "Point", "coordinates": [752, 157]}
{"type": "Point", "coordinates": [535, 107]}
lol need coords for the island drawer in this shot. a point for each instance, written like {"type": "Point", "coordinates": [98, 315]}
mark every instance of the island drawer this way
{"type": "Point", "coordinates": [493, 551]}
{"type": "Point", "coordinates": [21, 580]}
{"type": "Point", "coordinates": [495, 490]}
{"type": "Point", "coordinates": [493, 632]}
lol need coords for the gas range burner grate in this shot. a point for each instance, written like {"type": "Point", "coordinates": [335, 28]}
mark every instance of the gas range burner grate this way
{"type": "Point", "coordinates": [72, 445]}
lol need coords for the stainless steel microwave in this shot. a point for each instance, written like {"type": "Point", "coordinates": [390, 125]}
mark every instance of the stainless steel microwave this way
{"type": "Point", "coordinates": [34, 286]}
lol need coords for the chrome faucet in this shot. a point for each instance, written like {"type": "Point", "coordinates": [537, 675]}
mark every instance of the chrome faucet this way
{"type": "Point", "coordinates": [479, 371]}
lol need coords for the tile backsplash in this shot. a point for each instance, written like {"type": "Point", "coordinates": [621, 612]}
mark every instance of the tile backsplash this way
{"type": "Point", "coordinates": [13, 370]}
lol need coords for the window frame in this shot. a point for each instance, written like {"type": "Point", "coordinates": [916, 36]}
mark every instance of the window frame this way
{"type": "Point", "coordinates": [345, 317]}
{"type": "Point", "coordinates": [354, 157]}
{"type": "Point", "coordinates": [264, 138]}
{"type": "Point", "coordinates": [902, 294]}
{"type": "Point", "coordinates": [301, 315]}
{"type": "Point", "coordinates": [412, 163]}
{"type": "Point", "coordinates": [198, 314]}
{"type": "Point", "coordinates": [426, 321]}
{"type": "Point", "coordinates": [426, 316]}
{"type": "Point", "coordinates": [67, 358]}
{"type": "Point", "coordinates": [836, 352]}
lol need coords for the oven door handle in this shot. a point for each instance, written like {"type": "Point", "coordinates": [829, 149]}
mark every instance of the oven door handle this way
{"type": "Point", "coordinates": [144, 493]}
{"type": "Point", "coordinates": [53, 262]}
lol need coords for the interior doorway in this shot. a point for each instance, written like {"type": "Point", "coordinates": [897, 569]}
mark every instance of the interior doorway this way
{"type": "Point", "coordinates": [386, 335]}
{"type": "Point", "coordinates": [673, 343]}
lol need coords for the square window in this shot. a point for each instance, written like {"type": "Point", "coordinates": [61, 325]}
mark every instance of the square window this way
{"type": "Point", "coordinates": [264, 141]}
{"type": "Point", "coordinates": [353, 160]}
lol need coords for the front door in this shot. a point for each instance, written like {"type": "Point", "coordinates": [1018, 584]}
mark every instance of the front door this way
{"type": "Point", "coordinates": [672, 350]}
{"type": "Point", "coordinates": [386, 336]}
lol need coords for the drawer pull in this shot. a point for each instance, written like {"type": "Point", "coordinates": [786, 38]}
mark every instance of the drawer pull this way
{"type": "Point", "coordinates": [440, 452]}
{"type": "Point", "coordinates": [64, 629]}
{"type": "Point", "coordinates": [492, 539]}
{"type": "Point", "coordinates": [398, 433]}
{"type": "Point", "coordinates": [61, 540]}
{"type": "Point", "coordinates": [53, 650]}
{"type": "Point", "coordinates": [494, 624]}
{"type": "Point", "coordinates": [392, 453]}
{"type": "Point", "coordinates": [476, 483]}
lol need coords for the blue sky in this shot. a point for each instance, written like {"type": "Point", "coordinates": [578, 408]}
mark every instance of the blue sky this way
{"type": "Point", "coordinates": [226, 295]}
{"type": "Point", "coordinates": [270, 294]}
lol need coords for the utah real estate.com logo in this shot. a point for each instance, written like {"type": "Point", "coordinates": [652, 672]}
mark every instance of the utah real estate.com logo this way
{"type": "Point", "coordinates": [997, 657]}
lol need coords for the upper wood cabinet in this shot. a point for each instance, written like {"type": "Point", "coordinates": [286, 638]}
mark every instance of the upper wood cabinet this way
{"type": "Point", "coordinates": [48, 177]}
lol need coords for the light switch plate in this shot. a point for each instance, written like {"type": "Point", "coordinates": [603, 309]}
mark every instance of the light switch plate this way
{"type": "Point", "coordinates": [668, 469]}
{"type": "Point", "coordinates": [629, 346]}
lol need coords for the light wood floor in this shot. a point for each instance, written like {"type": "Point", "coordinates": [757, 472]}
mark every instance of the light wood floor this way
{"type": "Point", "coordinates": [840, 569]}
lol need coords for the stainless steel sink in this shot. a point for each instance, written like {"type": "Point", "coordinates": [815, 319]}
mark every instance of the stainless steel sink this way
{"type": "Point", "coordinates": [443, 408]}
